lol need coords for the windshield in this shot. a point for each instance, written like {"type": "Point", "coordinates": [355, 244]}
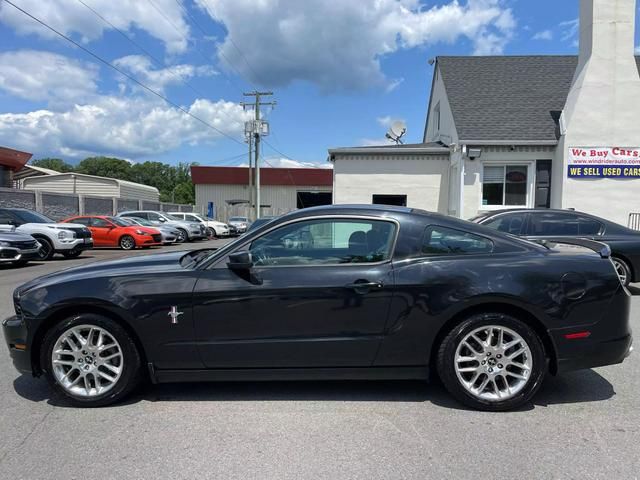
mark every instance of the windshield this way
{"type": "Point", "coordinates": [119, 221]}
{"type": "Point", "coordinates": [142, 221]}
{"type": "Point", "coordinates": [28, 216]}
{"type": "Point", "coordinates": [174, 217]}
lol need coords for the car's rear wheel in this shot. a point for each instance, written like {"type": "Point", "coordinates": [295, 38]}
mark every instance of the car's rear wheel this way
{"type": "Point", "coordinates": [492, 361]}
{"type": "Point", "coordinates": [127, 242]}
{"type": "Point", "coordinates": [91, 360]}
{"type": "Point", "coordinates": [46, 251]}
{"type": "Point", "coordinates": [182, 236]}
{"type": "Point", "coordinates": [623, 270]}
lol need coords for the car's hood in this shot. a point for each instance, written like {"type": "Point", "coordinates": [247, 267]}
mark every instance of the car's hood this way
{"type": "Point", "coordinates": [68, 226]}
{"type": "Point", "coordinates": [139, 265]}
{"type": "Point", "coordinates": [150, 230]}
{"type": "Point", "coordinates": [14, 237]}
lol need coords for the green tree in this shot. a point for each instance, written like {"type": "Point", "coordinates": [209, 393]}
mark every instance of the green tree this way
{"type": "Point", "coordinates": [56, 164]}
{"type": "Point", "coordinates": [105, 167]}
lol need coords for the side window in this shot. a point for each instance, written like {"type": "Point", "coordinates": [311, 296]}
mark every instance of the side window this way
{"type": "Point", "coordinates": [326, 242]}
{"type": "Point", "coordinates": [553, 223]}
{"type": "Point", "coordinates": [5, 218]}
{"type": "Point", "coordinates": [99, 223]}
{"type": "Point", "coordinates": [154, 217]}
{"type": "Point", "coordinates": [82, 221]}
{"type": "Point", "coordinates": [137, 214]}
{"type": "Point", "coordinates": [448, 241]}
{"type": "Point", "coordinates": [589, 226]}
{"type": "Point", "coordinates": [191, 218]}
{"type": "Point", "coordinates": [512, 223]}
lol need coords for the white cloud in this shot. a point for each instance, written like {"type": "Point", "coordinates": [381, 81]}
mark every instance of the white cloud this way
{"type": "Point", "coordinates": [281, 162]}
{"type": "Point", "coordinates": [570, 31]}
{"type": "Point", "coordinates": [338, 44]}
{"type": "Point", "coordinates": [543, 35]}
{"type": "Point", "coordinates": [71, 17]}
{"type": "Point", "coordinates": [122, 126]}
{"type": "Point", "coordinates": [38, 75]}
{"type": "Point", "coordinates": [158, 78]}
{"type": "Point", "coordinates": [387, 120]}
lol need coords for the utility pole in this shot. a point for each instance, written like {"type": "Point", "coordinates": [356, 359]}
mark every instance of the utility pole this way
{"type": "Point", "coordinates": [257, 130]}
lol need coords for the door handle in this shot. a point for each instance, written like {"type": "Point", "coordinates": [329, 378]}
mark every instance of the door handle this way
{"type": "Point", "coordinates": [364, 285]}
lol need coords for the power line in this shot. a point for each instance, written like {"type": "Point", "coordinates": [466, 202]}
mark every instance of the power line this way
{"type": "Point", "coordinates": [142, 49]}
{"type": "Point", "coordinates": [133, 79]}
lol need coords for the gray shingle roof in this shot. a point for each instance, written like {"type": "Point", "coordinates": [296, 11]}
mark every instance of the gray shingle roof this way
{"type": "Point", "coordinates": [507, 98]}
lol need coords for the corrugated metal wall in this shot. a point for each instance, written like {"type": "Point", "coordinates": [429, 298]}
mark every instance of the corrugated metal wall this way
{"type": "Point", "coordinates": [131, 191]}
{"type": "Point", "coordinates": [69, 184]}
{"type": "Point", "coordinates": [281, 198]}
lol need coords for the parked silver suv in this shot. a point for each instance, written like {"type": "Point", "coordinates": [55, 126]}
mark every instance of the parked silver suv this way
{"type": "Point", "coordinates": [18, 248]}
{"type": "Point", "coordinates": [188, 231]}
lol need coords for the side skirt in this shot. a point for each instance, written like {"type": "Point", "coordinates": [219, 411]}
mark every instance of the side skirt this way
{"type": "Point", "coordinates": [271, 374]}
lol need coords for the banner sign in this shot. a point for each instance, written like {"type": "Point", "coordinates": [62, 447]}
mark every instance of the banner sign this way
{"type": "Point", "coordinates": [603, 162]}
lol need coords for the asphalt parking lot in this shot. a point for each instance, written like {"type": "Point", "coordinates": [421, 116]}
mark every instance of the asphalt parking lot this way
{"type": "Point", "coordinates": [582, 425]}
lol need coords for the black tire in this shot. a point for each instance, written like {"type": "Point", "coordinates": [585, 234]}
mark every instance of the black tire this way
{"type": "Point", "coordinates": [183, 236]}
{"type": "Point", "coordinates": [211, 233]}
{"type": "Point", "coordinates": [447, 352]}
{"type": "Point", "coordinates": [46, 251]}
{"type": "Point", "coordinates": [131, 372]}
{"type": "Point", "coordinates": [127, 242]}
{"type": "Point", "coordinates": [73, 254]}
{"type": "Point", "coordinates": [623, 270]}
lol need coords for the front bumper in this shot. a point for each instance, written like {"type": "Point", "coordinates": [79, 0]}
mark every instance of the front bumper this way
{"type": "Point", "coordinates": [75, 245]}
{"type": "Point", "coordinates": [15, 335]}
{"type": "Point", "coordinates": [11, 254]}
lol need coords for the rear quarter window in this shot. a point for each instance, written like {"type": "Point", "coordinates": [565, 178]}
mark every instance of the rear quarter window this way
{"type": "Point", "coordinates": [439, 240]}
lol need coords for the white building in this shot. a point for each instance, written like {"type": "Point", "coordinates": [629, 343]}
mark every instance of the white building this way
{"type": "Point", "coordinates": [223, 192]}
{"type": "Point", "coordinates": [535, 131]}
{"type": "Point", "coordinates": [92, 185]}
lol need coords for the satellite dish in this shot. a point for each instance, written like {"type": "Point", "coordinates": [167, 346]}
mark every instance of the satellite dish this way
{"type": "Point", "coordinates": [396, 131]}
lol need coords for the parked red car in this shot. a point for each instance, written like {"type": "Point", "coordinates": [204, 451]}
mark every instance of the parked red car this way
{"type": "Point", "coordinates": [113, 232]}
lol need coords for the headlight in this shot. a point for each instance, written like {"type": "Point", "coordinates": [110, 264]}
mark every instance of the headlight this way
{"type": "Point", "coordinates": [140, 232]}
{"type": "Point", "coordinates": [5, 244]}
{"type": "Point", "coordinates": [62, 234]}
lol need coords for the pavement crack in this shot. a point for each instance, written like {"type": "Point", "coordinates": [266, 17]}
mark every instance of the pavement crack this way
{"type": "Point", "coordinates": [26, 437]}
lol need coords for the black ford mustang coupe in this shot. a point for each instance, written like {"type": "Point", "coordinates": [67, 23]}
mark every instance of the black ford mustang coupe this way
{"type": "Point", "coordinates": [336, 292]}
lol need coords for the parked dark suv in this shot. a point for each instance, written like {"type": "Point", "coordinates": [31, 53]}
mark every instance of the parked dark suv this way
{"type": "Point", "coordinates": [546, 223]}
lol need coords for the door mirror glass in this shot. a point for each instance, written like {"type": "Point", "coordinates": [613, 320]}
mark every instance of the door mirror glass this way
{"type": "Point", "coordinates": [240, 261]}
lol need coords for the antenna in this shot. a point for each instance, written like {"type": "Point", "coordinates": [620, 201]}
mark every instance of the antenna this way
{"type": "Point", "coordinates": [396, 131]}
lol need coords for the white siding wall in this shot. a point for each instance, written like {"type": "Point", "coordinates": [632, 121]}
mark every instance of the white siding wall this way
{"type": "Point", "coordinates": [128, 190]}
{"type": "Point", "coordinates": [65, 184]}
{"type": "Point", "coordinates": [423, 178]}
{"type": "Point", "coordinates": [281, 198]}
{"type": "Point", "coordinates": [447, 132]}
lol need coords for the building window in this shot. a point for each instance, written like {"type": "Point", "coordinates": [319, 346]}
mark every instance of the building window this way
{"type": "Point", "coordinates": [505, 185]}
{"type": "Point", "coordinates": [399, 200]}
{"type": "Point", "coordinates": [436, 113]}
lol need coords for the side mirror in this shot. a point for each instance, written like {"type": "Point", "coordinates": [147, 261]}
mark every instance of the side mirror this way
{"type": "Point", "coordinates": [162, 220]}
{"type": "Point", "coordinates": [240, 261]}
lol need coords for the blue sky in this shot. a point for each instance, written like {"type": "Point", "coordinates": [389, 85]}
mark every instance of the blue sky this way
{"type": "Point", "coordinates": [341, 70]}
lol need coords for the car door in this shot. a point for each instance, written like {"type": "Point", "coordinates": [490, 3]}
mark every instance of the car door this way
{"type": "Point", "coordinates": [102, 232]}
{"type": "Point", "coordinates": [317, 295]}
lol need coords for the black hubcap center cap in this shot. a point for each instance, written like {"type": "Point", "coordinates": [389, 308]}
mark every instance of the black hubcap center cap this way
{"type": "Point", "coordinates": [492, 361]}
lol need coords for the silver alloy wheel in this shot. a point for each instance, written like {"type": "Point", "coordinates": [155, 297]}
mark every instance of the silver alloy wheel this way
{"type": "Point", "coordinates": [621, 270]}
{"type": "Point", "coordinates": [127, 243]}
{"type": "Point", "coordinates": [182, 236]}
{"type": "Point", "coordinates": [493, 363]}
{"type": "Point", "coordinates": [87, 360]}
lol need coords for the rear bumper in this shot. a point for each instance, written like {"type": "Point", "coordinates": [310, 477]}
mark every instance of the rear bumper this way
{"type": "Point", "coordinates": [609, 340]}
{"type": "Point", "coordinates": [15, 335]}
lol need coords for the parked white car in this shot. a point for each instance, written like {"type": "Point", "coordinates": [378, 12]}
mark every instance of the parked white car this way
{"type": "Point", "coordinates": [214, 228]}
{"type": "Point", "coordinates": [66, 238]}
{"type": "Point", "coordinates": [240, 224]}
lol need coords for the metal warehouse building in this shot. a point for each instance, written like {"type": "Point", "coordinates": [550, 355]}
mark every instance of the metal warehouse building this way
{"type": "Point", "coordinates": [224, 191]}
{"type": "Point", "coordinates": [91, 185]}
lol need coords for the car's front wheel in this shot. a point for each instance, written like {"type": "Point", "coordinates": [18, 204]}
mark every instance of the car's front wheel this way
{"type": "Point", "coordinates": [127, 242]}
{"type": "Point", "coordinates": [46, 251]}
{"type": "Point", "coordinates": [183, 236]}
{"type": "Point", "coordinates": [91, 360]}
{"type": "Point", "coordinates": [492, 361]}
{"type": "Point", "coordinates": [211, 233]}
